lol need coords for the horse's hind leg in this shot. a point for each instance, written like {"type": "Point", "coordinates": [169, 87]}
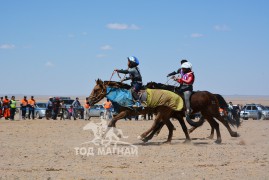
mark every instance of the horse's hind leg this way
{"type": "Point", "coordinates": [184, 128]}
{"type": "Point", "coordinates": [215, 125]}
{"type": "Point", "coordinates": [192, 129]}
{"type": "Point", "coordinates": [211, 136]}
{"type": "Point", "coordinates": [225, 123]}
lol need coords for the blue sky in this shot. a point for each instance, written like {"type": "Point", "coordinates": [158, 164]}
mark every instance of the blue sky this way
{"type": "Point", "coordinates": [61, 47]}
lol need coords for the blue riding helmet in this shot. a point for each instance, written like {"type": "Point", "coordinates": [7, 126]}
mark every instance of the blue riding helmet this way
{"type": "Point", "coordinates": [133, 59]}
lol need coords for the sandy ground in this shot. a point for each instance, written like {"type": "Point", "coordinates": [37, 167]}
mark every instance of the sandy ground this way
{"type": "Point", "coordinates": [47, 149]}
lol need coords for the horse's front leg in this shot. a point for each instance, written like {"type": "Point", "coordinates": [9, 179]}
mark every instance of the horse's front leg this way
{"type": "Point", "coordinates": [156, 130]}
{"type": "Point", "coordinates": [156, 121]}
{"type": "Point", "coordinates": [119, 116]}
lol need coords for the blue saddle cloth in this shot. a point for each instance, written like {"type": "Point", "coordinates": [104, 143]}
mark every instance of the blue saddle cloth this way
{"type": "Point", "coordinates": [122, 97]}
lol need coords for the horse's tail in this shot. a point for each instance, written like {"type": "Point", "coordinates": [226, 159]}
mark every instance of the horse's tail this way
{"type": "Point", "coordinates": [222, 103]}
{"type": "Point", "coordinates": [231, 116]}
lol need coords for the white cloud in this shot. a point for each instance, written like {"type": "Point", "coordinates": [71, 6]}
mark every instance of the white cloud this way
{"type": "Point", "coordinates": [49, 64]}
{"type": "Point", "coordinates": [196, 35]}
{"type": "Point", "coordinates": [100, 55]}
{"type": "Point", "coordinates": [221, 27]}
{"type": "Point", "coordinates": [118, 26]}
{"type": "Point", "coordinates": [7, 46]}
{"type": "Point", "coordinates": [106, 47]}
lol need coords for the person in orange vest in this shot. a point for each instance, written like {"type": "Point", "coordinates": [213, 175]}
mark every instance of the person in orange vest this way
{"type": "Point", "coordinates": [24, 104]}
{"type": "Point", "coordinates": [31, 105]}
{"type": "Point", "coordinates": [107, 106]}
{"type": "Point", "coordinates": [6, 106]}
{"type": "Point", "coordinates": [87, 109]}
{"type": "Point", "coordinates": [1, 107]}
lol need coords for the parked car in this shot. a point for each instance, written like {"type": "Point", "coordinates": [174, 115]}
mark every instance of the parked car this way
{"type": "Point", "coordinates": [98, 110]}
{"type": "Point", "coordinates": [254, 111]}
{"type": "Point", "coordinates": [40, 110]}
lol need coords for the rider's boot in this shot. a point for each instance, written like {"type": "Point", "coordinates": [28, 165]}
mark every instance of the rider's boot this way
{"type": "Point", "coordinates": [137, 101]}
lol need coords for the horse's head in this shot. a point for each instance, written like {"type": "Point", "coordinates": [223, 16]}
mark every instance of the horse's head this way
{"type": "Point", "coordinates": [98, 92]}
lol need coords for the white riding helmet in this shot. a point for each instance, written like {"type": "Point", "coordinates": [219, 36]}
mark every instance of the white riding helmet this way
{"type": "Point", "coordinates": [186, 65]}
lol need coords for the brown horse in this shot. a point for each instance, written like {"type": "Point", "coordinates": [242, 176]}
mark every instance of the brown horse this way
{"type": "Point", "coordinates": [163, 113]}
{"type": "Point", "coordinates": [208, 105]}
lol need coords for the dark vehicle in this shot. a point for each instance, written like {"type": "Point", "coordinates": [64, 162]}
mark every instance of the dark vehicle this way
{"type": "Point", "coordinates": [68, 102]}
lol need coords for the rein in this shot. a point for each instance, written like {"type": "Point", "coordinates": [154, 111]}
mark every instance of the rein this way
{"type": "Point", "coordinates": [100, 94]}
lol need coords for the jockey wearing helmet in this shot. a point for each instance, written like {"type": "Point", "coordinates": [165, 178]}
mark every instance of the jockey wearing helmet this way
{"type": "Point", "coordinates": [134, 76]}
{"type": "Point", "coordinates": [186, 84]}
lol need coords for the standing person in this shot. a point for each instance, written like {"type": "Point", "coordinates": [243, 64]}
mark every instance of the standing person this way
{"type": "Point", "coordinates": [71, 112]}
{"type": "Point", "coordinates": [24, 104]}
{"type": "Point", "coordinates": [62, 109]}
{"type": "Point", "coordinates": [134, 76]}
{"type": "Point", "coordinates": [56, 107]}
{"type": "Point", "coordinates": [12, 108]}
{"type": "Point", "coordinates": [76, 104]}
{"type": "Point", "coordinates": [107, 106]}
{"type": "Point", "coordinates": [186, 85]}
{"type": "Point", "coordinates": [31, 105]}
{"type": "Point", "coordinates": [87, 109]}
{"type": "Point", "coordinates": [1, 107]}
{"type": "Point", "coordinates": [49, 108]}
{"type": "Point", "coordinates": [230, 106]}
{"type": "Point", "coordinates": [6, 106]}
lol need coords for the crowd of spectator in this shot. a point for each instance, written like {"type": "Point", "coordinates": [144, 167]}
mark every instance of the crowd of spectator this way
{"type": "Point", "coordinates": [55, 107]}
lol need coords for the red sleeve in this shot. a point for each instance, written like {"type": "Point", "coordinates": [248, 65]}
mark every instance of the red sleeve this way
{"type": "Point", "coordinates": [179, 80]}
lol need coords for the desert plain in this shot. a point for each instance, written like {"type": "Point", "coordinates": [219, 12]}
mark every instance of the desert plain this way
{"type": "Point", "coordinates": [56, 149]}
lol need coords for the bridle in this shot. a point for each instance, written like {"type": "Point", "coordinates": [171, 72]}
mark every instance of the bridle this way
{"type": "Point", "coordinates": [95, 98]}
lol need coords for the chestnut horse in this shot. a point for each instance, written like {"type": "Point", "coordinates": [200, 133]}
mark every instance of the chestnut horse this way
{"type": "Point", "coordinates": [163, 113]}
{"type": "Point", "coordinates": [208, 105]}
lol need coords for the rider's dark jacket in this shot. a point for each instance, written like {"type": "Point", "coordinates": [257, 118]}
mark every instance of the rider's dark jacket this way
{"type": "Point", "coordinates": [134, 76]}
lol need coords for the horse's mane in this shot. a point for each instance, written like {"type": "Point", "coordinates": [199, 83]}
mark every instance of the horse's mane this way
{"type": "Point", "coordinates": [117, 84]}
{"type": "Point", "coordinates": [154, 85]}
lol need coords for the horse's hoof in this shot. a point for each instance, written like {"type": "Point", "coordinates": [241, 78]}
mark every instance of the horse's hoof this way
{"type": "Point", "coordinates": [235, 134]}
{"type": "Point", "coordinates": [218, 141]}
{"type": "Point", "coordinates": [145, 140]}
{"type": "Point", "coordinates": [140, 137]}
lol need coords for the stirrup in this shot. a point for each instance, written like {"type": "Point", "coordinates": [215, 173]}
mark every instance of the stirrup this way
{"type": "Point", "coordinates": [188, 112]}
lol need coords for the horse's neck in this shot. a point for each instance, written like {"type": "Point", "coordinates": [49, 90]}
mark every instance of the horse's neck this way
{"type": "Point", "coordinates": [116, 84]}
